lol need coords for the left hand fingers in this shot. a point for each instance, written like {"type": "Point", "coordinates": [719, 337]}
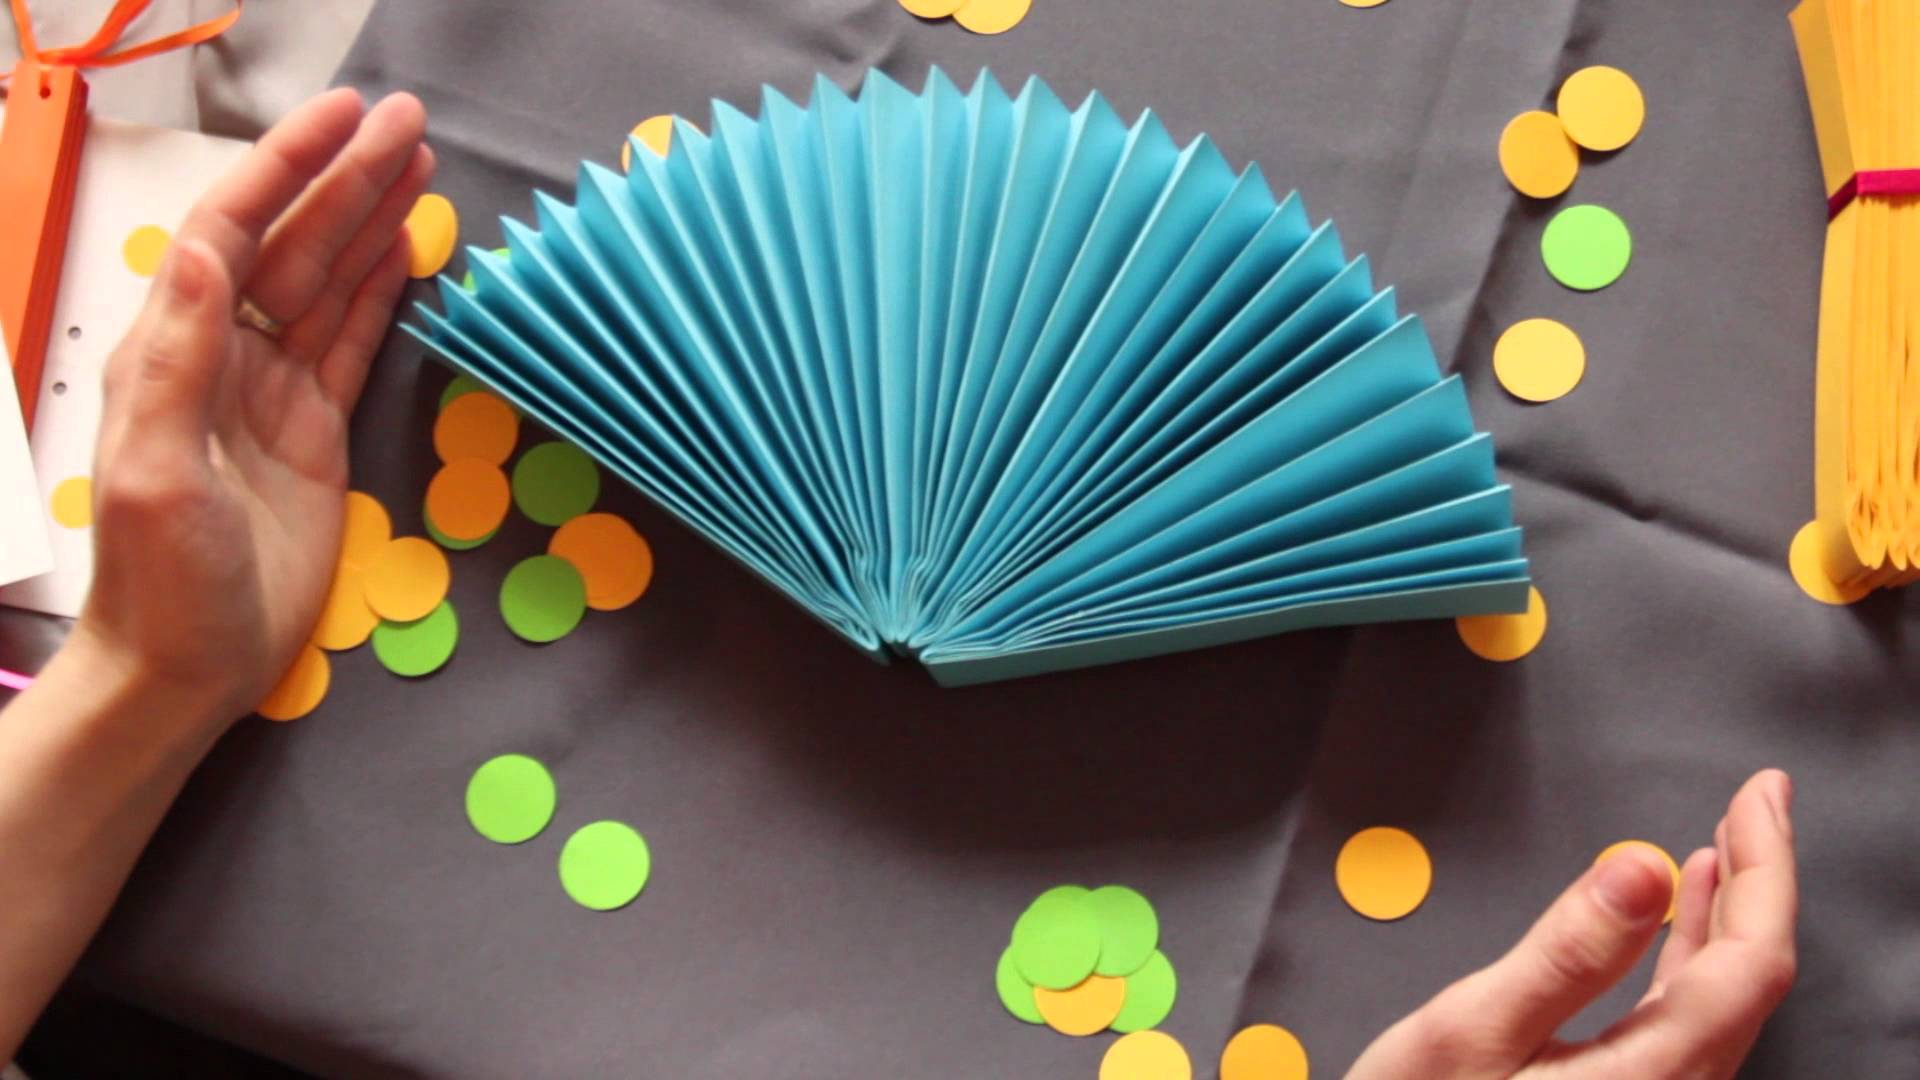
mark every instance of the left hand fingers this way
{"type": "Point", "coordinates": [298, 258]}
{"type": "Point", "coordinates": [1688, 934]}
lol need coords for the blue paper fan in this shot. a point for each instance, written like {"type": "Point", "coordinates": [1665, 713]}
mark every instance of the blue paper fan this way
{"type": "Point", "coordinates": [996, 384]}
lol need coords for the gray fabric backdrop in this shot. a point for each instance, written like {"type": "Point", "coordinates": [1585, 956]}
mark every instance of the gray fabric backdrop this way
{"type": "Point", "coordinates": [841, 848]}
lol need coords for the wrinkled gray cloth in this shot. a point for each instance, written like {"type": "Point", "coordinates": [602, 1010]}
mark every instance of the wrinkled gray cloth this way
{"type": "Point", "coordinates": [840, 848]}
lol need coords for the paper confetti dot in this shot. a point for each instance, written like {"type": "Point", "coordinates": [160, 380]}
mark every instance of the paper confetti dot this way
{"type": "Point", "coordinates": [1538, 158]}
{"type": "Point", "coordinates": [1807, 559]}
{"type": "Point", "coordinates": [461, 385]}
{"type": "Point", "coordinates": [365, 528]}
{"type": "Point", "coordinates": [467, 499]}
{"type": "Point", "coordinates": [72, 503]}
{"type": "Point", "coordinates": [345, 619]}
{"type": "Point", "coordinates": [992, 16]}
{"type": "Point", "coordinates": [1383, 873]}
{"type": "Point", "coordinates": [1146, 1055]}
{"type": "Point", "coordinates": [1586, 247]}
{"type": "Point", "coordinates": [418, 648]}
{"type": "Point", "coordinates": [300, 689]}
{"type": "Point", "coordinates": [1129, 930]}
{"type": "Point", "coordinates": [1602, 107]}
{"type": "Point", "coordinates": [1150, 995]}
{"type": "Point", "coordinates": [1016, 993]}
{"type": "Point", "coordinates": [604, 865]}
{"type": "Point", "coordinates": [655, 133]}
{"type": "Point", "coordinates": [932, 9]}
{"type": "Point", "coordinates": [479, 426]}
{"type": "Point", "coordinates": [451, 544]}
{"type": "Point", "coordinates": [1505, 637]}
{"type": "Point", "coordinates": [406, 579]}
{"type": "Point", "coordinates": [510, 799]}
{"type": "Point", "coordinates": [1539, 360]}
{"type": "Point", "coordinates": [555, 482]}
{"type": "Point", "coordinates": [433, 229]}
{"type": "Point", "coordinates": [1085, 1009]}
{"type": "Point", "coordinates": [1056, 942]}
{"type": "Point", "coordinates": [612, 558]}
{"type": "Point", "coordinates": [144, 248]}
{"type": "Point", "coordinates": [543, 599]}
{"type": "Point", "coordinates": [1263, 1052]}
{"type": "Point", "coordinates": [1363, 3]}
{"type": "Point", "coordinates": [1673, 868]}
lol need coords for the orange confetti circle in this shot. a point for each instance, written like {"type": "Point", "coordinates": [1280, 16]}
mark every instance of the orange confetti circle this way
{"type": "Point", "coordinates": [932, 9]}
{"type": "Point", "coordinates": [345, 619]}
{"type": "Point", "coordinates": [144, 248]}
{"type": "Point", "coordinates": [365, 528]}
{"type": "Point", "coordinates": [1263, 1052]}
{"type": "Point", "coordinates": [479, 425]}
{"type": "Point", "coordinates": [1673, 868]}
{"type": "Point", "coordinates": [1383, 873]}
{"type": "Point", "coordinates": [407, 579]}
{"type": "Point", "coordinates": [433, 228]}
{"type": "Point", "coordinates": [1084, 1009]}
{"type": "Point", "coordinates": [301, 689]}
{"type": "Point", "coordinates": [655, 133]}
{"type": "Point", "coordinates": [1146, 1055]}
{"type": "Point", "coordinates": [1806, 559]}
{"type": "Point", "coordinates": [992, 16]}
{"type": "Point", "coordinates": [72, 502]}
{"type": "Point", "coordinates": [468, 499]}
{"type": "Point", "coordinates": [1505, 637]}
{"type": "Point", "coordinates": [1539, 159]}
{"type": "Point", "coordinates": [613, 559]}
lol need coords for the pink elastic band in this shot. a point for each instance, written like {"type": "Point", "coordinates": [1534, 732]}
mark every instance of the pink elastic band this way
{"type": "Point", "coordinates": [1873, 182]}
{"type": "Point", "coordinates": [13, 680]}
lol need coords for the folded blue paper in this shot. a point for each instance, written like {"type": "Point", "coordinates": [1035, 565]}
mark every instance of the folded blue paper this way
{"type": "Point", "coordinates": [996, 384]}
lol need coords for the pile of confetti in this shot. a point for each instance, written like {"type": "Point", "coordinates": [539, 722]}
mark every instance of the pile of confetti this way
{"type": "Point", "coordinates": [1084, 961]}
{"type": "Point", "coordinates": [979, 16]}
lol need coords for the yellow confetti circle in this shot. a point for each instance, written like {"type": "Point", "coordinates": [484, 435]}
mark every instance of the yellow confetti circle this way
{"type": "Point", "coordinates": [1539, 159]}
{"type": "Point", "coordinates": [932, 9]}
{"type": "Point", "coordinates": [144, 248]}
{"type": "Point", "coordinates": [301, 689]}
{"type": "Point", "coordinates": [1383, 873]}
{"type": "Point", "coordinates": [433, 229]}
{"type": "Point", "coordinates": [1807, 559]}
{"type": "Point", "coordinates": [1363, 3]}
{"type": "Point", "coordinates": [1673, 902]}
{"type": "Point", "coordinates": [1602, 107]}
{"type": "Point", "coordinates": [1263, 1052]}
{"type": "Point", "coordinates": [1539, 360]}
{"type": "Point", "coordinates": [1146, 1055]}
{"type": "Point", "coordinates": [365, 529]}
{"type": "Point", "coordinates": [655, 133]}
{"type": "Point", "coordinates": [1084, 1009]}
{"type": "Point", "coordinates": [992, 16]}
{"type": "Point", "coordinates": [345, 619]}
{"type": "Point", "coordinates": [72, 502]}
{"type": "Point", "coordinates": [1505, 637]}
{"type": "Point", "coordinates": [406, 579]}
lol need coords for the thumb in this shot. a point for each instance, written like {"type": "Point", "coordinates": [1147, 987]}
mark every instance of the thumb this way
{"type": "Point", "coordinates": [162, 380]}
{"type": "Point", "coordinates": [1497, 1019]}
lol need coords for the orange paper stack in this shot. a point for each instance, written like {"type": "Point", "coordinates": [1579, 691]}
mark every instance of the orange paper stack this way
{"type": "Point", "coordinates": [40, 152]}
{"type": "Point", "coordinates": [1862, 65]}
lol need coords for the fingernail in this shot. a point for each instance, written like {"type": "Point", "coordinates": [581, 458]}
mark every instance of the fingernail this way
{"type": "Point", "coordinates": [185, 279]}
{"type": "Point", "coordinates": [1632, 887]}
{"type": "Point", "coordinates": [1779, 788]}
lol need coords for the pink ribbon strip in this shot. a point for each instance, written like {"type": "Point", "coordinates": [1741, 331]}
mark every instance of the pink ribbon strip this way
{"type": "Point", "coordinates": [13, 680]}
{"type": "Point", "coordinates": [1873, 182]}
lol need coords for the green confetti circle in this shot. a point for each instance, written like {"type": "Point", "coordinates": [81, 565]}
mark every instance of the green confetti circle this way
{"type": "Point", "coordinates": [1129, 930]}
{"type": "Point", "coordinates": [1056, 942]}
{"type": "Point", "coordinates": [418, 648]}
{"type": "Point", "coordinates": [510, 799]}
{"type": "Point", "coordinates": [555, 482]}
{"type": "Point", "coordinates": [467, 284]}
{"type": "Point", "coordinates": [604, 865]}
{"type": "Point", "coordinates": [1150, 994]}
{"type": "Point", "coordinates": [449, 542]}
{"type": "Point", "coordinates": [462, 385]}
{"type": "Point", "coordinates": [543, 598]}
{"type": "Point", "coordinates": [1586, 247]}
{"type": "Point", "coordinates": [1016, 993]}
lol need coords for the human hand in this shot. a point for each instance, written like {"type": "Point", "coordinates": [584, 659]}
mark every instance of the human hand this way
{"type": "Point", "coordinates": [220, 474]}
{"type": "Point", "coordinates": [1727, 963]}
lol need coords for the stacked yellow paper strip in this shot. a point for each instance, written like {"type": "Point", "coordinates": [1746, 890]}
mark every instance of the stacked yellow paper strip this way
{"type": "Point", "coordinates": [1862, 65]}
